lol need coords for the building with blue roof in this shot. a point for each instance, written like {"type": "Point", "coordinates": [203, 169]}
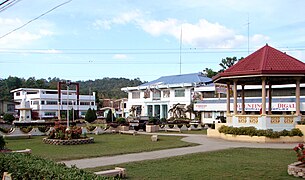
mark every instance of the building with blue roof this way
{"type": "Point", "coordinates": [156, 97]}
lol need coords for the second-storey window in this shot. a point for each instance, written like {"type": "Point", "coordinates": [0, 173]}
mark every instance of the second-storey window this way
{"type": "Point", "coordinates": [135, 95]}
{"type": "Point", "coordinates": [179, 93]}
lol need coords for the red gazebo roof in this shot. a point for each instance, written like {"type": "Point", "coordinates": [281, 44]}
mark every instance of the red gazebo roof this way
{"type": "Point", "coordinates": [266, 61]}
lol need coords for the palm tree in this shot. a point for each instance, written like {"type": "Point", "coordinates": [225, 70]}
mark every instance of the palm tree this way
{"type": "Point", "coordinates": [133, 110]}
{"type": "Point", "coordinates": [190, 109]}
{"type": "Point", "coordinates": [177, 110]}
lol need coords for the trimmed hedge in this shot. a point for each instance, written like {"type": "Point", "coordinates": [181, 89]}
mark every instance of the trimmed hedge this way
{"type": "Point", "coordinates": [25, 166]}
{"type": "Point", "coordinates": [252, 131]}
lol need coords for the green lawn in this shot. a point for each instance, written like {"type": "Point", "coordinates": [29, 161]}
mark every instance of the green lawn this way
{"type": "Point", "coordinates": [105, 145]}
{"type": "Point", "coordinates": [241, 163]}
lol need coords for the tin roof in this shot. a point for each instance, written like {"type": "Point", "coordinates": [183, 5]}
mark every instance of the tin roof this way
{"type": "Point", "coordinates": [194, 78]}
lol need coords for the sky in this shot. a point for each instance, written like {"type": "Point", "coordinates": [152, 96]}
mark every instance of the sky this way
{"type": "Point", "coordinates": [88, 40]}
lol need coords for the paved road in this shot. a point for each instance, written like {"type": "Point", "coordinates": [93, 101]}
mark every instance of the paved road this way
{"type": "Point", "coordinates": [206, 144]}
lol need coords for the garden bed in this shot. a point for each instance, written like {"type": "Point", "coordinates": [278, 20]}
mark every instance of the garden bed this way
{"type": "Point", "coordinates": [69, 141]}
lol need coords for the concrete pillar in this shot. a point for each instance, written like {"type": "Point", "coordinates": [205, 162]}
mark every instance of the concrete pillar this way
{"type": "Point", "coordinates": [235, 97]}
{"type": "Point", "coordinates": [228, 99]}
{"type": "Point", "coordinates": [243, 99]}
{"type": "Point", "coordinates": [270, 99]}
{"type": "Point", "coordinates": [263, 112]}
{"type": "Point", "coordinates": [297, 97]}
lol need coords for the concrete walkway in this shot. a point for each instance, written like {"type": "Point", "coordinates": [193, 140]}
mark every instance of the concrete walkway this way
{"type": "Point", "coordinates": [206, 145]}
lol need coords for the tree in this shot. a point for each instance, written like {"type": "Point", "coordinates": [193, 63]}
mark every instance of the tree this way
{"type": "Point", "coordinates": [177, 110]}
{"type": "Point", "coordinates": [2, 143]}
{"type": "Point", "coordinates": [110, 117]}
{"type": "Point", "coordinates": [89, 117]}
{"type": "Point", "coordinates": [228, 62]}
{"type": "Point", "coordinates": [210, 73]}
{"type": "Point", "coordinates": [8, 118]}
{"type": "Point", "coordinates": [190, 109]}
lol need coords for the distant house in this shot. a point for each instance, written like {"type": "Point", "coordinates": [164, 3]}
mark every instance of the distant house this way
{"type": "Point", "coordinates": [155, 98]}
{"type": "Point", "coordinates": [118, 106]}
{"type": "Point", "coordinates": [7, 107]}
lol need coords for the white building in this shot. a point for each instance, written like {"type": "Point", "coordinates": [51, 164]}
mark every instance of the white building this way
{"type": "Point", "coordinates": [155, 98]}
{"type": "Point", "coordinates": [45, 101]}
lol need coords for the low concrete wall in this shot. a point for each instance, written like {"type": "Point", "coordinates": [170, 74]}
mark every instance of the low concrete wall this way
{"type": "Point", "coordinates": [261, 139]}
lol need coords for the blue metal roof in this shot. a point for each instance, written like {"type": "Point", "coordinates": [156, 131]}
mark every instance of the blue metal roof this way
{"type": "Point", "coordinates": [179, 79]}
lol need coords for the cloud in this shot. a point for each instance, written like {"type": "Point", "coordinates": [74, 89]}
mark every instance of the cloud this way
{"type": "Point", "coordinates": [22, 37]}
{"type": "Point", "coordinates": [120, 56]}
{"type": "Point", "coordinates": [122, 19]}
{"type": "Point", "coordinates": [202, 33]}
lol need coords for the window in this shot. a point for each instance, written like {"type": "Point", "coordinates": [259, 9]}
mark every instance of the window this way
{"type": "Point", "coordinates": [180, 93]}
{"type": "Point", "coordinates": [207, 114]}
{"type": "Point", "coordinates": [42, 102]}
{"type": "Point", "coordinates": [135, 95]}
{"type": "Point", "coordinates": [85, 103]}
{"type": "Point", "coordinates": [156, 94]}
{"type": "Point", "coordinates": [10, 107]}
{"type": "Point", "coordinates": [17, 93]}
{"type": "Point", "coordinates": [166, 93]}
{"type": "Point", "coordinates": [51, 102]}
{"type": "Point", "coordinates": [35, 102]}
{"type": "Point", "coordinates": [50, 113]}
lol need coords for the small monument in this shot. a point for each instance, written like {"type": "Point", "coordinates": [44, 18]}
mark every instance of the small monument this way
{"type": "Point", "coordinates": [25, 111]}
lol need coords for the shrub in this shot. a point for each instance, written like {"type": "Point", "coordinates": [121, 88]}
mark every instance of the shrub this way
{"type": "Point", "coordinates": [8, 118]}
{"type": "Point", "coordinates": [121, 121]}
{"type": "Point", "coordinates": [5, 130]}
{"type": "Point", "coordinates": [2, 143]}
{"type": "Point", "coordinates": [296, 132]}
{"type": "Point", "coordinates": [26, 129]}
{"type": "Point", "coordinates": [252, 131]}
{"type": "Point", "coordinates": [90, 117]}
{"type": "Point", "coordinates": [43, 128]}
{"type": "Point", "coordinates": [153, 120]}
{"type": "Point", "coordinates": [25, 166]}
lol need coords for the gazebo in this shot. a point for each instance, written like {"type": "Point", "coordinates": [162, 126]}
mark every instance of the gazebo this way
{"type": "Point", "coordinates": [266, 67]}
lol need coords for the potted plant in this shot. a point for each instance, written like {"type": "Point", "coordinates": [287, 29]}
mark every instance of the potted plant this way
{"type": "Point", "coordinates": [152, 124]}
{"type": "Point", "coordinates": [124, 125]}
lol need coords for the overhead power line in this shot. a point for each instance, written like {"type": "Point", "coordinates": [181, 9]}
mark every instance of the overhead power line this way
{"type": "Point", "coordinates": [35, 19]}
{"type": "Point", "coordinates": [6, 4]}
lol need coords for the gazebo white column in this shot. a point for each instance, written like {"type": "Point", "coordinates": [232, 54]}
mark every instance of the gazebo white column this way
{"type": "Point", "coordinates": [263, 96]}
{"type": "Point", "coordinates": [297, 97]}
{"type": "Point", "coordinates": [228, 99]}
{"type": "Point", "coordinates": [242, 99]}
{"type": "Point", "coordinates": [270, 99]}
{"type": "Point", "coordinates": [235, 97]}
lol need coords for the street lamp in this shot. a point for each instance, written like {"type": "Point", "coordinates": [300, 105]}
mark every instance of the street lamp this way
{"type": "Point", "coordinates": [68, 82]}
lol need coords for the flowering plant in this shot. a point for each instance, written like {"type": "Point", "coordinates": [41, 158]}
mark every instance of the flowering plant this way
{"type": "Point", "coordinates": [300, 152]}
{"type": "Point", "coordinates": [61, 132]}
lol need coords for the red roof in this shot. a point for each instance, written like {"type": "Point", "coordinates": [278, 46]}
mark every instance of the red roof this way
{"type": "Point", "coordinates": [265, 61]}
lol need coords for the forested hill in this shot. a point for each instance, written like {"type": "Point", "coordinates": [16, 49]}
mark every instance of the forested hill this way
{"type": "Point", "coordinates": [106, 87]}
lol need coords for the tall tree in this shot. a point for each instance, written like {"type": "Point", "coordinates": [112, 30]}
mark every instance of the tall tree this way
{"type": "Point", "coordinates": [210, 73]}
{"type": "Point", "coordinates": [228, 62]}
